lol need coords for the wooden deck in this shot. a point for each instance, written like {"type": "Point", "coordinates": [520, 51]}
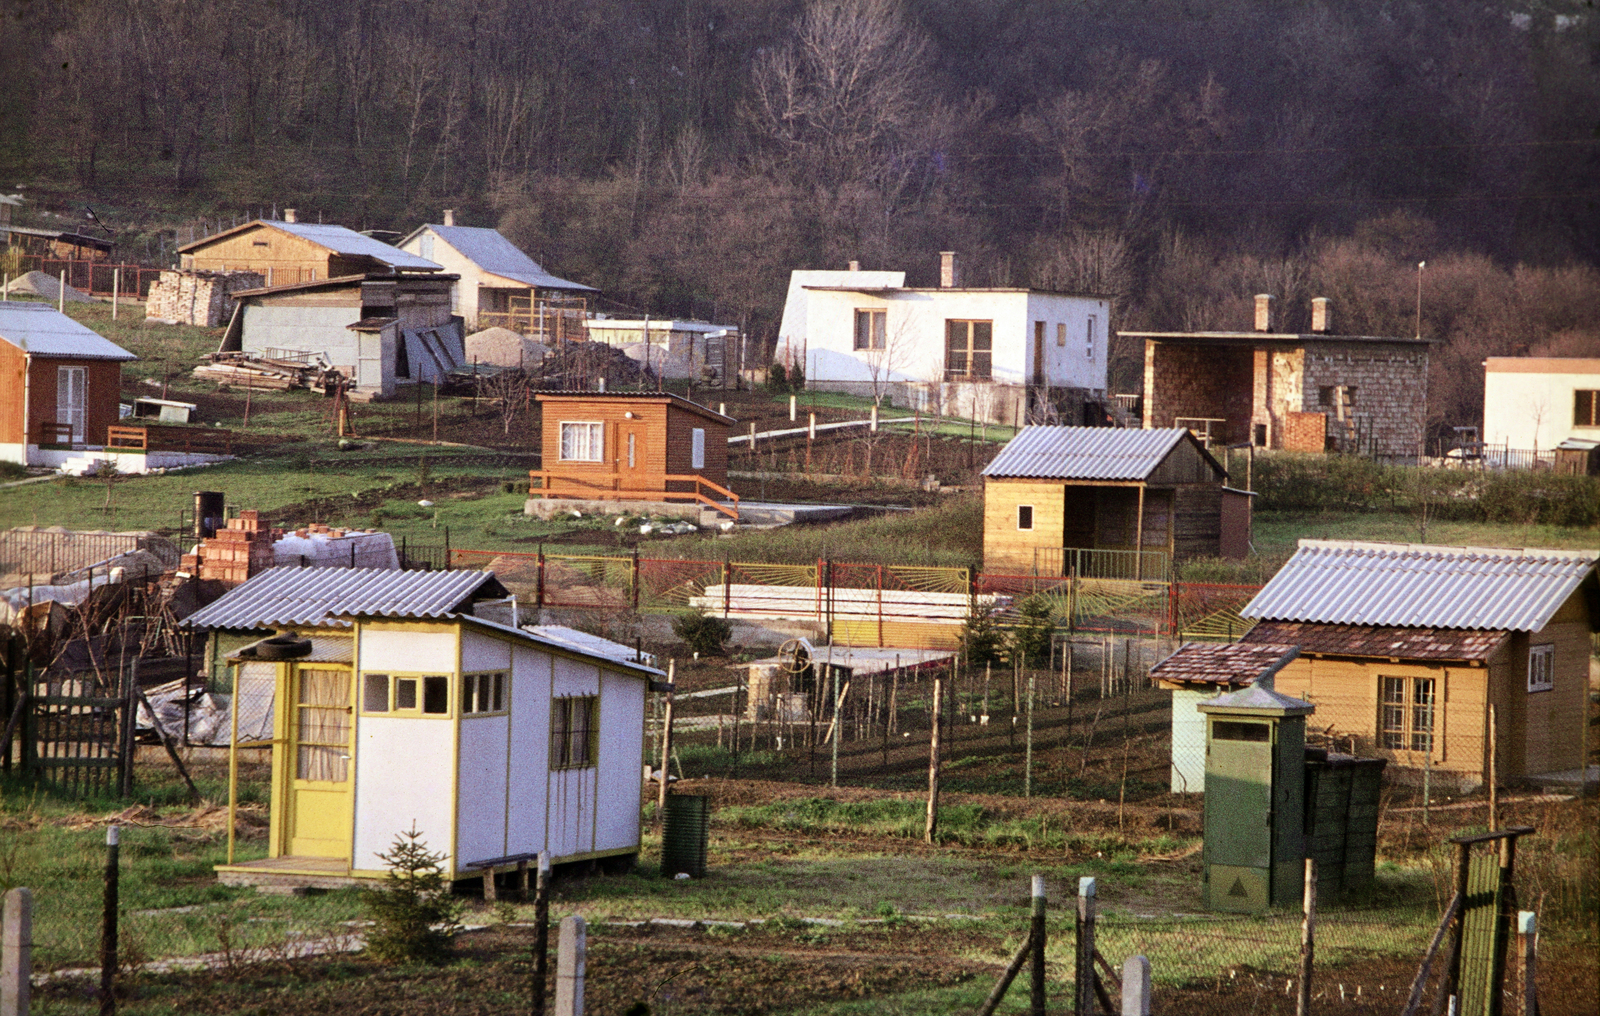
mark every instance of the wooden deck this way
{"type": "Point", "coordinates": [292, 872]}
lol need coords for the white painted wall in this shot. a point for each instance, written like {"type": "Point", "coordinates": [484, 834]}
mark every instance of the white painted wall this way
{"type": "Point", "coordinates": [528, 789]}
{"type": "Point", "coordinates": [571, 804]}
{"type": "Point", "coordinates": [481, 796]}
{"type": "Point", "coordinates": [621, 760]}
{"type": "Point", "coordinates": [1189, 740]}
{"type": "Point", "coordinates": [403, 776]}
{"type": "Point", "coordinates": [820, 325]}
{"type": "Point", "coordinates": [1528, 401]}
{"type": "Point", "coordinates": [408, 650]}
{"type": "Point", "coordinates": [484, 652]}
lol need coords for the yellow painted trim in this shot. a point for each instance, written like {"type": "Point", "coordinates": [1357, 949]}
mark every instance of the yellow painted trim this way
{"type": "Point", "coordinates": [452, 689]}
{"type": "Point", "coordinates": [554, 650]}
{"type": "Point", "coordinates": [549, 729]}
{"type": "Point", "coordinates": [505, 810]}
{"type": "Point", "coordinates": [435, 627]}
{"type": "Point", "coordinates": [592, 855]}
{"type": "Point", "coordinates": [455, 760]}
{"type": "Point", "coordinates": [594, 732]}
{"type": "Point", "coordinates": [355, 736]}
{"type": "Point", "coordinates": [233, 767]}
{"type": "Point", "coordinates": [508, 671]}
{"type": "Point", "coordinates": [282, 748]}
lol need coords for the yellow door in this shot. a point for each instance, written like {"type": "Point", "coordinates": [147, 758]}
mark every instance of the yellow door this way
{"type": "Point", "coordinates": [320, 816]}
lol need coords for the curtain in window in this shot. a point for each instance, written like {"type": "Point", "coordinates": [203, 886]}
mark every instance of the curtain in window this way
{"type": "Point", "coordinates": [323, 728]}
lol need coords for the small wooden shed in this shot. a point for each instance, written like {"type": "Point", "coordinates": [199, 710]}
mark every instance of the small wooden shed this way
{"type": "Point", "coordinates": [60, 384]}
{"type": "Point", "coordinates": [1415, 652]}
{"type": "Point", "coordinates": [1055, 489]}
{"type": "Point", "coordinates": [393, 708]}
{"type": "Point", "coordinates": [634, 446]}
{"type": "Point", "coordinates": [287, 252]}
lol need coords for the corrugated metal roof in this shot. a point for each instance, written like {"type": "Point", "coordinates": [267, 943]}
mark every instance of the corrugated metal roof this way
{"type": "Point", "coordinates": [44, 331]}
{"type": "Point", "coordinates": [1412, 585]}
{"type": "Point", "coordinates": [317, 597]}
{"type": "Point", "coordinates": [347, 241]}
{"type": "Point", "coordinates": [492, 252]}
{"type": "Point", "coordinates": [1085, 453]}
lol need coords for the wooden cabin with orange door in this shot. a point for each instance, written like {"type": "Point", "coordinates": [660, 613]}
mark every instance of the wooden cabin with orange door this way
{"type": "Point", "coordinates": [647, 447]}
{"type": "Point", "coordinates": [60, 385]}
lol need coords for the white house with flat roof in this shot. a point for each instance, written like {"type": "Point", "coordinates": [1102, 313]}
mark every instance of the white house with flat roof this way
{"type": "Point", "coordinates": [1010, 355]}
{"type": "Point", "coordinates": [1537, 402]}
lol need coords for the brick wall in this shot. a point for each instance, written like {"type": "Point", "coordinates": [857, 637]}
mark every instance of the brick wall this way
{"type": "Point", "coordinates": [1388, 407]}
{"type": "Point", "coordinates": [1304, 432]}
{"type": "Point", "coordinates": [1198, 382]}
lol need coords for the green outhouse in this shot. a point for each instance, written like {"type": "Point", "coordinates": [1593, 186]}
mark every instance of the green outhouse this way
{"type": "Point", "coordinates": [1254, 852]}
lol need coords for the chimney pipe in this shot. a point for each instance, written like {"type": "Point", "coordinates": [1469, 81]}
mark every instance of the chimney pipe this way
{"type": "Point", "coordinates": [449, 216]}
{"type": "Point", "coordinates": [855, 266]}
{"type": "Point", "coordinates": [949, 270]}
{"type": "Point", "coordinates": [288, 215]}
{"type": "Point", "coordinates": [1321, 319]}
{"type": "Point", "coordinates": [1263, 312]}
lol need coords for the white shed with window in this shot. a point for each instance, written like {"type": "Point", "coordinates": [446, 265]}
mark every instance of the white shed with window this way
{"type": "Point", "coordinates": [494, 742]}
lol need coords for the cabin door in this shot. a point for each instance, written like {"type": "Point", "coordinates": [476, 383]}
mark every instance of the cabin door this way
{"type": "Point", "coordinates": [72, 399]}
{"type": "Point", "coordinates": [631, 456]}
{"type": "Point", "coordinates": [320, 817]}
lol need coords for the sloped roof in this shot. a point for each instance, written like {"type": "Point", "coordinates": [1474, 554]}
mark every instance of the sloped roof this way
{"type": "Point", "coordinates": [492, 252]}
{"type": "Point", "coordinates": [1380, 640]}
{"type": "Point", "coordinates": [1088, 453]}
{"type": "Point", "coordinates": [1420, 585]}
{"type": "Point", "coordinates": [325, 597]}
{"type": "Point", "coordinates": [41, 330]}
{"type": "Point", "coordinates": [1258, 698]}
{"type": "Point", "coordinates": [1238, 664]}
{"type": "Point", "coordinates": [668, 398]}
{"type": "Point", "coordinates": [339, 239]}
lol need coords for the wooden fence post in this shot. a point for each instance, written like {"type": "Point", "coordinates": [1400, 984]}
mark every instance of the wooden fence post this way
{"type": "Point", "coordinates": [108, 928]}
{"type": "Point", "coordinates": [666, 744]}
{"type": "Point", "coordinates": [1527, 999]}
{"type": "Point", "coordinates": [541, 932]}
{"type": "Point", "coordinates": [932, 825]}
{"type": "Point", "coordinates": [1083, 994]}
{"type": "Point", "coordinates": [1308, 930]}
{"type": "Point", "coordinates": [1037, 936]}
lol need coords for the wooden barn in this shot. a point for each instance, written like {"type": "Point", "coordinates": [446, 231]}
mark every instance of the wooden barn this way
{"type": "Point", "coordinates": [634, 446]}
{"type": "Point", "coordinates": [1426, 655]}
{"type": "Point", "coordinates": [392, 705]}
{"type": "Point", "coordinates": [1052, 490]}
{"type": "Point", "coordinates": [60, 385]}
{"type": "Point", "coordinates": [288, 252]}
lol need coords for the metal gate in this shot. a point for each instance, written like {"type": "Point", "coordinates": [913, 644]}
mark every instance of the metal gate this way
{"type": "Point", "coordinates": [79, 736]}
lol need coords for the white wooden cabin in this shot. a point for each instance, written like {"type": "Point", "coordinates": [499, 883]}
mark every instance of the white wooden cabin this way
{"type": "Point", "coordinates": [494, 742]}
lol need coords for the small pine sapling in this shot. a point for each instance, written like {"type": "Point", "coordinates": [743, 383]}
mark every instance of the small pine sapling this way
{"type": "Point", "coordinates": [414, 916]}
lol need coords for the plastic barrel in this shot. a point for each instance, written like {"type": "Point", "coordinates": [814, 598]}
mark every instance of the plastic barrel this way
{"type": "Point", "coordinates": [683, 835]}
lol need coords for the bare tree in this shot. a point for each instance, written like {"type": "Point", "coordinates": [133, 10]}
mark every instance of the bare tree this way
{"type": "Point", "coordinates": [506, 391]}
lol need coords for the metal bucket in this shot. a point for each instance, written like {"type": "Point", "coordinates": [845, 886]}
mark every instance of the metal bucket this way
{"type": "Point", "coordinates": [683, 835]}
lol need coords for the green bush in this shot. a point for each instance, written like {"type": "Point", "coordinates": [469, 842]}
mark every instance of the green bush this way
{"type": "Point", "coordinates": [413, 916]}
{"type": "Point", "coordinates": [705, 634]}
{"type": "Point", "coordinates": [777, 379]}
{"type": "Point", "coordinates": [982, 639]}
{"type": "Point", "coordinates": [1030, 639]}
{"type": "Point", "coordinates": [1541, 498]}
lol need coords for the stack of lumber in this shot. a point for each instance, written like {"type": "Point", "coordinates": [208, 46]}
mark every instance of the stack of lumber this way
{"type": "Point", "coordinates": [245, 370]}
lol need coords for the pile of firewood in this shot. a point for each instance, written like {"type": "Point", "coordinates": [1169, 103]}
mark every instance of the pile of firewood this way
{"type": "Point", "coordinates": [243, 370]}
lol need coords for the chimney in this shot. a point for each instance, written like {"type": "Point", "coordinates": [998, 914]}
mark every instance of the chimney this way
{"type": "Point", "coordinates": [949, 270]}
{"type": "Point", "coordinates": [1321, 321]}
{"type": "Point", "coordinates": [1263, 312]}
{"type": "Point", "coordinates": [449, 216]}
{"type": "Point", "coordinates": [288, 215]}
{"type": "Point", "coordinates": [855, 266]}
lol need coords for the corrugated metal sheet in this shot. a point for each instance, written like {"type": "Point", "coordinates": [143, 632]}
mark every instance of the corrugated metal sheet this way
{"type": "Point", "coordinates": [1084, 453]}
{"type": "Point", "coordinates": [492, 252]}
{"type": "Point", "coordinates": [1410, 585]}
{"type": "Point", "coordinates": [347, 241]}
{"type": "Point", "coordinates": [44, 331]}
{"type": "Point", "coordinates": [287, 597]}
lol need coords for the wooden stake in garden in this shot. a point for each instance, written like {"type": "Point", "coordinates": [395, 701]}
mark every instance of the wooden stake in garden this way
{"type": "Point", "coordinates": [541, 932]}
{"type": "Point", "coordinates": [1037, 939]}
{"type": "Point", "coordinates": [108, 927]}
{"type": "Point", "coordinates": [933, 765]}
{"type": "Point", "coordinates": [666, 743]}
{"type": "Point", "coordinates": [1308, 931]}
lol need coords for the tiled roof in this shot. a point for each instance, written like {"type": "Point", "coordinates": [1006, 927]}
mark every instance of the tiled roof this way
{"type": "Point", "coordinates": [1238, 664]}
{"type": "Point", "coordinates": [1412, 585]}
{"type": "Point", "coordinates": [42, 330]}
{"type": "Point", "coordinates": [319, 597]}
{"type": "Point", "coordinates": [1379, 640]}
{"type": "Point", "coordinates": [1085, 453]}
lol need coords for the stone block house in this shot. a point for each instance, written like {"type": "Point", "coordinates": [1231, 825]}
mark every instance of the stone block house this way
{"type": "Point", "coordinates": [1310, 392]}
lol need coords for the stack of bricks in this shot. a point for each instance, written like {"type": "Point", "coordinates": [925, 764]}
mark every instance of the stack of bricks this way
{"type": "Point", "coordinates": [236, 553]}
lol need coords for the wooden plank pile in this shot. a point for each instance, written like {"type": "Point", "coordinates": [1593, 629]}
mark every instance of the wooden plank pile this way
{"type": "Point", "coordinates": [245, 370]}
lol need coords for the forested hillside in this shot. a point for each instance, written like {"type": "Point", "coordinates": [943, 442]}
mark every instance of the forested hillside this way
{"type": "Point", "coordinates": [683, 155]}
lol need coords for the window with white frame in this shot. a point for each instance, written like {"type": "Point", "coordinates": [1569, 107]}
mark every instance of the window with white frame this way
{"type": "Point", "coordinates": [1024, 516]}
{"type": "Point", "coordinates": [1541, 668]}
{"type": "Point", "coordinates": [582, 441]}
{"type": "Point", "coordinates": [484, 693]}
{"type": "Point", "coordinates": [697, 449]}
{"type": "Point", "coordinates": [1406, 712]}
{"type": "Point", "coordinates": [1089, 337]}
{"type": "Point", "coordinates": [573, 738]}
